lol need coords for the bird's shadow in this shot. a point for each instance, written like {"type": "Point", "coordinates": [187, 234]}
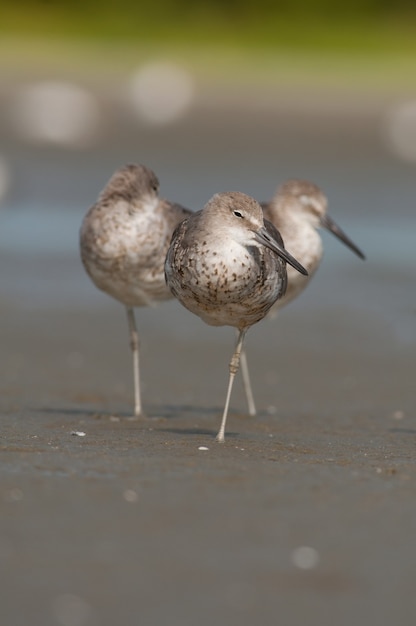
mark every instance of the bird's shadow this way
{"type": "Point", "coordinates": [153, 413]}
{"type": "Point", "coordinates": [154, 416]}
{"type": "Point", "coordinates": [189, 431]}
{"type": "Point", "coordinates": [404, 431]}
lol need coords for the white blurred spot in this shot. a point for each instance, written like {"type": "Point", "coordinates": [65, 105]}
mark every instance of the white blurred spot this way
{"type": "Point", "coordinates": [203, 448]}
{"type": "Point", "coordinates": [78, 433]}
{"type": "Point", "coordinates": [56, 112]}
{"type": "Point", "coordinates": [5, 177]}
{"type": "Point", "coordinates": [14, 495]}
{"type": "Point", "coordinates": [71, 610]}
{"type": "Point", "coordinates": [305, 557]}
{"type": "Point", "coordinates": [400, 130]}
{"type": "Point", "coordinates": [130, 495]}
{"type": "Point", "coordinates": [398, 415]}
{"type": "Point", "coordinates": [161, 92]}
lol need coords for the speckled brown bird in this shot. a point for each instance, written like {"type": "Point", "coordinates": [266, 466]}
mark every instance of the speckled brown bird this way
{"type": "Point", "coordinates": [124, 238]}
{"type": "Point", "coordinates": [298, 210]}
{"type": "Point", "coordinates": [227, 265]}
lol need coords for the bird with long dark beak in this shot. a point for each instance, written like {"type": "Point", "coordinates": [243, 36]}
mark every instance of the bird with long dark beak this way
{"type": "Point", "coordinates": [298, 210]}
{"type": "Point", "coordinates": [227, 264]}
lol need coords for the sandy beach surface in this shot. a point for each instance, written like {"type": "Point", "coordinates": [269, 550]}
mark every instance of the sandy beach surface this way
{"type": "Point", "coordinates": [306, 515]}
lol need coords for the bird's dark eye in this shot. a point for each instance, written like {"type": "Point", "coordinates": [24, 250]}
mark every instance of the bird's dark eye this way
{"type": "Point", "coordinates": [238, 214]}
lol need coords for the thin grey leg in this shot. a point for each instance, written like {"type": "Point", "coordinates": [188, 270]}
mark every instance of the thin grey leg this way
{"type": "Point", "coordinates": [234, 365]}
{"type": "Point", "coordinates": [247, 384]}
{"type": "Point", "coordinates": [134, 344]}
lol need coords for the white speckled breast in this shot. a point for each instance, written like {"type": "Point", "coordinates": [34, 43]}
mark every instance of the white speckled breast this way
{"type": "Point", "coordinates": [306, 245]}
{"type": "Point", "coordinates": [123, 248]}
{"type": "Point", "coordinates": [303, 241]}
{"type": "Point", "coordinates": [223, 281]}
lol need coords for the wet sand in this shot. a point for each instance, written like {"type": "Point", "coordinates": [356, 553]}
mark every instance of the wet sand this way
{"type": "Point", "coordinates": [134, 524]}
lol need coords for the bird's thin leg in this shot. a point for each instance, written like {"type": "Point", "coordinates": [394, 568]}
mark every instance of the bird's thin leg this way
{"type": "Point", "coordinates": [134, 345]}
{"type": "Point", "coordinates": [234, 364]}
{"type": "Point", "coordinates": [247, 384]}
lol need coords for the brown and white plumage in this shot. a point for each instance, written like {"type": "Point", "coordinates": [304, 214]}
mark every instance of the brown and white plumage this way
{"type": "Point", "coordinates": [228, 266]}
{"type": "Point", "coordinates": [124, 238]}
{"type": "Point", "coordinates": [298, 210]}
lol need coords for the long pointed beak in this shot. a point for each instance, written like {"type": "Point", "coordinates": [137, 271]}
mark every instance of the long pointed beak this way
{"type": "Point", "coordinates": [328, 223]}
{"type": "Point", "coordinates": [264, 237]}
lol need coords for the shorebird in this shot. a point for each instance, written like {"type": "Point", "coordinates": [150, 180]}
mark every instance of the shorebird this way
{"type": "Point", "coordinates": [298, 210]}
{"type": "Point", "coordinates": [227, 265]}
{"type": "Point", "coordinates": [124, 238]}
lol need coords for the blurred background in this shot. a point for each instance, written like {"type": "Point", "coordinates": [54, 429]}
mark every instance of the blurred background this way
{"type": "Point", "coordinates": [213, 96]}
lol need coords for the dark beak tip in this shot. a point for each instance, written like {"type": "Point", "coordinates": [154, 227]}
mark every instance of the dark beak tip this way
{"type": "Point", "coordinates": [297, 266]}
{"type": "Point", "coordinates": [357, 251]}
{"type": "Point", "coordinates": [330, 225]}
